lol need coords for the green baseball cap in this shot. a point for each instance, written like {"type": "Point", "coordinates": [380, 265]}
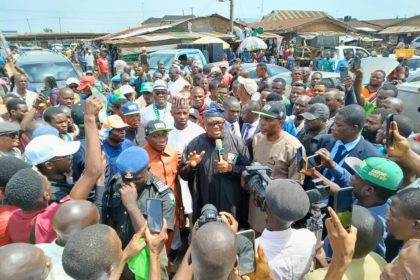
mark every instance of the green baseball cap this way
{"type": "Point", "coordinates": [147, 87]}
{"type": "Point", "coordinates": [116, 97]}
{"type": "Point", "coordinates": [154, 126]}
{"type": "Point", "coordinates": [273, 109]}
{"type": "Point", "coordinates": [381, 172]}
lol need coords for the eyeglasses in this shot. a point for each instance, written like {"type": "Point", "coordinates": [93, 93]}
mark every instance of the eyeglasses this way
{"type": "Point", "coordinates": [11, 134]}
{"type": "Point", "coordinates": [160, 92]}
{"type": "Point", "coordinates": [213, 124]}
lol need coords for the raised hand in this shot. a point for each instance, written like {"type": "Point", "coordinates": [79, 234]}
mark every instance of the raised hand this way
{"type": "Point", "coordinates": [93, 106]}
{"type": "Point", "coordinates": [194, 159]}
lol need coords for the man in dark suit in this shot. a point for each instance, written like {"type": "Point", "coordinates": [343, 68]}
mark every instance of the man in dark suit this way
{"type": "Point", "coordinates": [345, 140]}
{"type": "Point", "coordinates": [250, 123]}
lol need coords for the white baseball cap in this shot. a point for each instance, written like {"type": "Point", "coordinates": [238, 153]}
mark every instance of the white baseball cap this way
{"type": "Point", "coordinates": [126, 89]}
{"type": "Point", "coordinates": [46, 147]}
{"type": "Point", "coordinates": [249, 84]}
{"type": "Point", "coordinates": [72, 80]}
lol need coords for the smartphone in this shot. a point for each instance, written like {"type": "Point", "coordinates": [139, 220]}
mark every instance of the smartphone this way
{"type": "Point", "coordinates": [356, 62]}
{"type": "Point", "coordinates": [343, 205]}
{"type": "Point", "coordinates": [245, 250]}
{"type": "Point", "coordinates": [144, 59]}
{"type": "Point", "coordinates": [344, 72]}
{"type": "Point", "coordinates": [154, 208]}
{"type": "Point", "coordinates": [299, 159]}
{"type": "Point", "coordinates": [389, 137]}
{"type": "Point", "coordinates": [313, 161]}
{"type": "Point", "coordinates": [221, 97]}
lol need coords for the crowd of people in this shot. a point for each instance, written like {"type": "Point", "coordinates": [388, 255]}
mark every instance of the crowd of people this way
{"type": "Point", "coordinates": [78, 165]}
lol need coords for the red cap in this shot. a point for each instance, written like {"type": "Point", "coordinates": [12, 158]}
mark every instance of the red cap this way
{"type": "Point", "coordinates": [86, 81]}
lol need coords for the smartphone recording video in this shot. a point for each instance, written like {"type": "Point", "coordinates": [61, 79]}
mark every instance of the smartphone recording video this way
{"type": "Point", "coordinates": [245, 251]}
{"type": "Point", "coordinates": [313, 161]}
{"type": "Point", "coordinates": [343, 205]}
{"type": "Point", "coordinates": [389, 137]}
{"type": "Point", "coordinates": [154, 208]}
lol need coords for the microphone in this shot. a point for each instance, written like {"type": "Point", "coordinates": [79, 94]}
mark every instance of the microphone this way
{"type": "Point", "coordinates": [219, 150]}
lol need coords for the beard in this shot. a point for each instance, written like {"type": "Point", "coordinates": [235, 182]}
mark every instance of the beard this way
{"type": "Point", "coordinates": [370, 136]}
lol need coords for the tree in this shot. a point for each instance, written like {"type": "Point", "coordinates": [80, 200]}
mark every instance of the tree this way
{"type": "Point", "coordinates": [48, 30]}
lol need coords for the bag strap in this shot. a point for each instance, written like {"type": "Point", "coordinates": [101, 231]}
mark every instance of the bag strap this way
{"type": "Point", "coordinates": [32, 239]}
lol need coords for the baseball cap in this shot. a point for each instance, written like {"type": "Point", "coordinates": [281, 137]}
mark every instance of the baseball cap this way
{"type": "Point", "coordinates": [147, 87]}
{"type": "Point", "coordinates": [45, 147]}
{"type": "Point", "coordinates": [85, 82]}
{"type": "Point", "coordinates": [249, 84]}
{"type": "Point", "coordinates": [116, 97]}
{"type": "Point", "coordinates": [113, 121]}
{"type": "Point", "coordinates": [131, 161]}
{"type": "Point", "coordinates": [72, 80]}
{"type": "Point", "coordinates": [130, 108]}
{"type": "Point", "coordinates": [78, 113]}
{"type": "Point", "coordinates": [160, 84]}
{"type": "Point", "coordinates": [273, 109]}
{"type": "Point", "coordinates": [126, 89]}
{"type": "Point", "coordinates": [316, 111]}
{"type": "Point", "coordinates": [89, 72]}
{"type": "Point", "coordinates": [155, 126]}
{"type": "Point", "coordinates": [379, 171]}
{"type": "Point", "coordinates": [215, 70]}
{"type": "Point", "coordinates": [45, 130]}
{"type": "Point", "coordinates": [194, 113]}
{"type": "Point", "coordinates": [8, 127]}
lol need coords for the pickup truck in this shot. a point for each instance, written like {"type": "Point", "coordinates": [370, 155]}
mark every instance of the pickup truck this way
{"type": "Point", "coordinates": [168, 57]}
{"type": "Point", "coordinates": [340, 52]}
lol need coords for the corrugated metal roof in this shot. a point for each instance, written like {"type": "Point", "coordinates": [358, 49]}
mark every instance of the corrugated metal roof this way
{"type": "Point", "coordinates": [166, 36]}
{"type": "Point", "coordinates": [292, 14]}
{"type": "Point", "coordinates": [401, 29]}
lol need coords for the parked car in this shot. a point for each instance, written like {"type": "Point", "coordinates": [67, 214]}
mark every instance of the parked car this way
{"type": "Point", "coordinates": [168, 57]}
{"type": "Point", "coordinates": [413, 65]}
{"type": "Point", "coordinates": [415, 44]}
{"type": "Point", "coordinates": [273, 70]}
{"type": "Point", "coordinates": [40, 64]}
{"type": "Point", "coordinates": [409, 93]}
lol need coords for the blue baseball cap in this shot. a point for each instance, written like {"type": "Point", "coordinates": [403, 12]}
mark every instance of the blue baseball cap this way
{"type": "Point", "coordinates": [45, 130]}
{"type": "Point", "coordinates": [130, 108]}
{"type": "Point", "coordinates": [132, 161]}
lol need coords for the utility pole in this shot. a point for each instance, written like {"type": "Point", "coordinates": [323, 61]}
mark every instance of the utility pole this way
{"type": "Point", "coordinates": [192, 11]}
{"type": "Point", "coordinates": [231, 16]}
{"type": "Point", "coordinates": [183, 12]}
{"type": "Point", "coordinates": [29, 25]}
{"type": "Point", "coordinates": [59, 23]}
{"type": "Point", "coordinates": [262, 9]}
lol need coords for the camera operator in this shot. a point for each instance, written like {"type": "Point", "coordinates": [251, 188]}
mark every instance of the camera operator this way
{"type": "Point", "coordinates": [274, 148]}
{"type": "Point", "coordinates": [289, 251]}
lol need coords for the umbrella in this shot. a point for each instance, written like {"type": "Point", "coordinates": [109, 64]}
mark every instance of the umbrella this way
{"type": "Point", "coordinates": [209, 40]}
{"type": "Point", "coordinates": [252, 44]}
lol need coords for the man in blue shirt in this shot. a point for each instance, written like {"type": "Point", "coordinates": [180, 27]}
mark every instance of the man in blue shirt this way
{"type": "Point", "coordinates": [344, 62]}
{"type": "Point", "coordinates": [115, 142]}
{"type": "Point", "coordinates": [328, 63]}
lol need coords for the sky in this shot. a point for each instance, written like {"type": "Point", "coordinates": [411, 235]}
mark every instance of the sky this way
{"type": "Point", "coordinates": [111, 16]}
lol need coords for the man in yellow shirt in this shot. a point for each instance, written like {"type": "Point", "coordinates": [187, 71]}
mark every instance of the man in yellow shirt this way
{"type": "Point", "coordinates": [366, 264]}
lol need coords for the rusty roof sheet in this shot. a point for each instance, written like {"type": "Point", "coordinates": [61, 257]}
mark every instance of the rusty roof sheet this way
{"type": "Point", "coordinates": [292, 14]}
{"type": "Point", "coordinates": [126, 31]}
{"type": "Point", "coordinates": [401, 29]}
{"type": "Point", "coordinates": [290, 25]}
{"type": "Point", "coordinates": [166, 36]}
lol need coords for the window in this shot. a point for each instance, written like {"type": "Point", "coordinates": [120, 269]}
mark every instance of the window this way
{"type": "Point", "coordinates": [362, 53]}
{"type": "Point", "coordinates": [61, 71]}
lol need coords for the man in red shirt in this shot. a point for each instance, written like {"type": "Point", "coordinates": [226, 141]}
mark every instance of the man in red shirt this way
{"type": "Point", "coordinates": [30, 191]}
{"type": "Point", "coordinates": [8, 166]}
{"type": "Point", "coordinates": [103, 68]}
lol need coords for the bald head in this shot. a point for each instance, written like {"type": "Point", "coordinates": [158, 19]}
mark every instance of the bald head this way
{"type": "Point", "coordinates": [73, 216]}
{"type": "Point", "coordinates": [230, 101]}
{"type": "Point", "coordinates": [24, 262]}
{"type": "Point", "coordinates": [66, 97]}
{"type": "Point", "coordinates": [393, 104]}
{"type": "Point", "coordinates": [32, 125]}
{"type": "Point", "coordinates": [213, 251]}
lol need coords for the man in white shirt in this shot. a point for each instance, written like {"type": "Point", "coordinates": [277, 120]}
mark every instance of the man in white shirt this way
{"type": "Point", "coordinates": [89, 60]}
{"type": "Point", "coordinates": [184, 131]}
{"type": "Point", "coordinates": [161, 108]}
{"type": "Point", "coordinates": [21, 91]}
{"type": "Point", "coordinates": [232, 109]}
{"type": "Point", "coordinates": [119, 65]}
{"type": "Point", "coordinates": [71, 217]}
{"type": "Point", "coordinates": [289, 251]}
{"type": "Point", "coordinates": [177, 85]}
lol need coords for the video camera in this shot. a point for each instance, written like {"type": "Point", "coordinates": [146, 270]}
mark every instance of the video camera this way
{"type": "Point", "coordinates": [317, 196]}
{"type": "Point", "coordinates": [208, 214]}
{"type": "Point", "coordinates": [256, 181]}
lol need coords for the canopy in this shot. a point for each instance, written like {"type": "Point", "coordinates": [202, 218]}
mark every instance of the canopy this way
{"type": "Point", "coordinates": [209, 40]}
{"type": "Point", "coordinates": [252, 44]}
